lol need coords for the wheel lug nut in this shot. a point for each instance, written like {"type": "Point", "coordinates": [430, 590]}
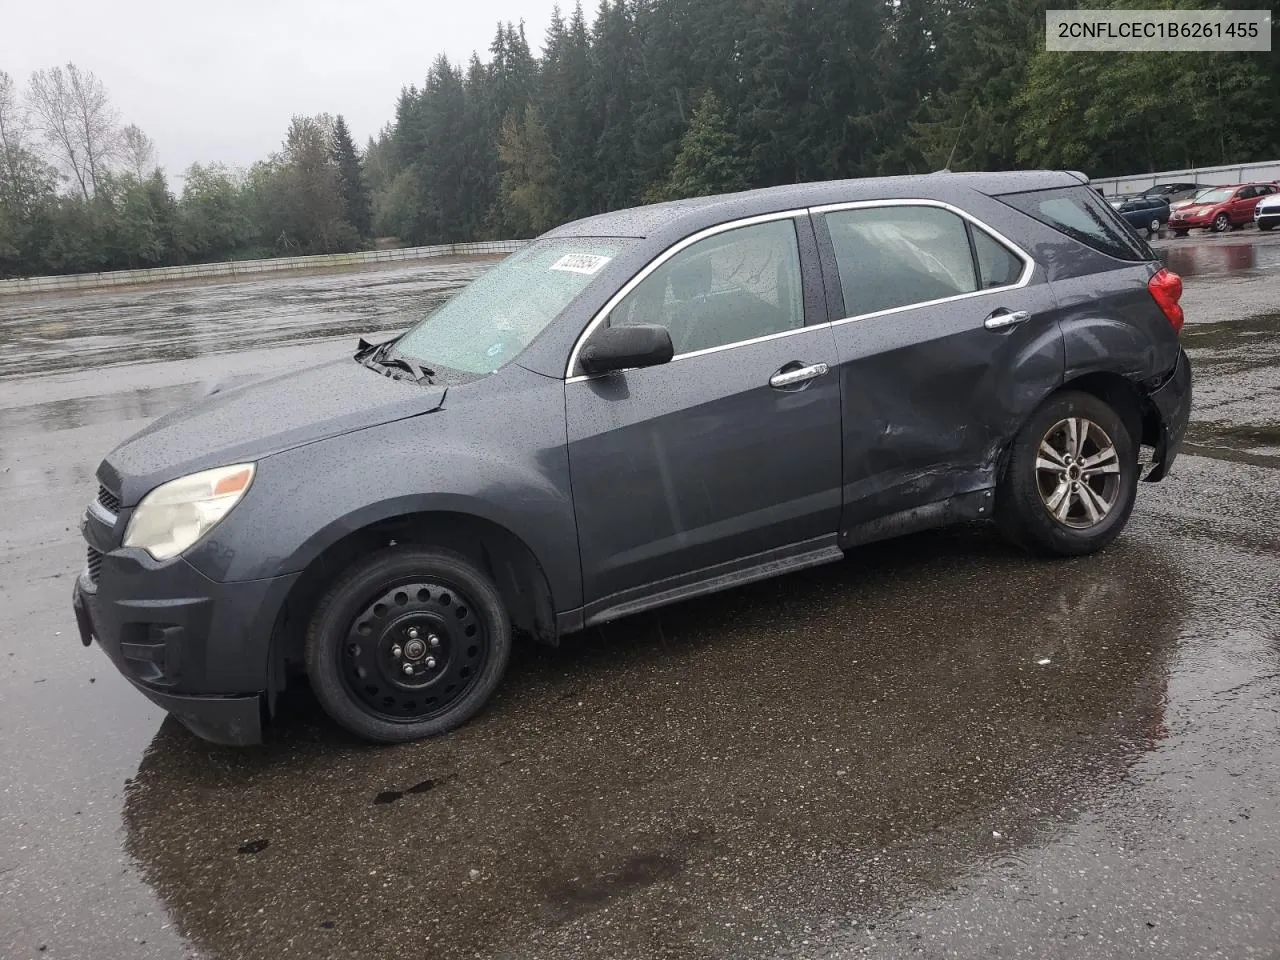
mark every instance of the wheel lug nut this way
{"type": "Point", "coordinates": [413, 633]}
{"type": "Point", "coordinates": [430, 662]}
{"type": "Point", "coordinates": [396, 651]}
{"type": "Point", "coordinates": [433, 640]}
{"type": "Point", "coordinates": [408, 669]}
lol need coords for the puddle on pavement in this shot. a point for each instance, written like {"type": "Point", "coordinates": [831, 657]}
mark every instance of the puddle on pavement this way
{"type": "Point", "coordinates": [802, 752]}
{"type": "Point", "coordinates": [1203, 258]}
{"type": "Point", "coordinates": [145, 403]}
{"type": "Point", "coordinates": [43, 335]}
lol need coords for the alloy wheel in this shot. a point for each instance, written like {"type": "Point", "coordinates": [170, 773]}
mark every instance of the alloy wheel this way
{"type": "Point", "coordinates": [414, 651]}
{"type": "Point", "coordinates": [1078, 473]}
{"type": "Point", "coordinates": [1221, 223]}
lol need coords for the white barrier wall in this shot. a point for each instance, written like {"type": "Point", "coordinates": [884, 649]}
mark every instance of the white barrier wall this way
{"type": "Point", "coordinates": [1209, 176]}
{"type": "Point", "coordinates": [238, 268]}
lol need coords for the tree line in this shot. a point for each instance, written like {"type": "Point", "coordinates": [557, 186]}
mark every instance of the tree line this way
{"type": "Point", "coordinates": [645, 100]}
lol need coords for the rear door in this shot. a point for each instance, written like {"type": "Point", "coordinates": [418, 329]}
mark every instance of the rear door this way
{"type": "Point", "coordinates": [948, 341]}
{"type": "Point", "coordinates": [729, 455]}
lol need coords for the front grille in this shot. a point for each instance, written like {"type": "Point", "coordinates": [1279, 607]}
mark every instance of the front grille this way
{"type": "Point", "coordinates": [93, 564]}
{"type": "Point", "coordinates": [108, 499]}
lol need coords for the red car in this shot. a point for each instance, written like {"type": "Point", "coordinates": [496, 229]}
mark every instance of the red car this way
{"type": "Point", "coordinates": [1219, 208]}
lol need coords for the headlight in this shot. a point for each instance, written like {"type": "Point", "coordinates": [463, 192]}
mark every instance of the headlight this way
{"type": "Point", "coordinates": [176, 514]}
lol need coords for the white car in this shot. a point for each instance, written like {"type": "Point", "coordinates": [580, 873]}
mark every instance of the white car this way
{"type": "Point", "coordinates": [1267, 213]}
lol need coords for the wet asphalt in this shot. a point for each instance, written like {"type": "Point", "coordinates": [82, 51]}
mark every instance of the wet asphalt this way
{"type": "Point", "coordinates": [937, 748]}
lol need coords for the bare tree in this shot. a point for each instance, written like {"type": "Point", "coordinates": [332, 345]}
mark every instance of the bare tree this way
{"type": "Point", "coordinates": [13, 128]}
{"type": "Point", "coordinates": [78, 122]}
{"type": "Point", "coordinates": [139, 151]}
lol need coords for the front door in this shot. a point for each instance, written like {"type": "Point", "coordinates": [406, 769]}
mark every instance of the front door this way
{"type": "Point", "coordinates": [946, 347]}
{"type": "Point", "coordinates": [727, 456]}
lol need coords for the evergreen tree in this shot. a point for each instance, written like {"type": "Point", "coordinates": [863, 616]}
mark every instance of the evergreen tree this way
{"type": "Point", "coordinates": [356, 205]}
{"type": "Point", "coordinates": [710, 159]}
{"type": "Point", "coordinates": [529, 200]}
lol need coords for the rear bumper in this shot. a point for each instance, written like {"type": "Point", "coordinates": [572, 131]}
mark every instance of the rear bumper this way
{"type": "Point", "coordinates": [195, 647]}
{"type": "Point", "coordinates": [1171, 403]}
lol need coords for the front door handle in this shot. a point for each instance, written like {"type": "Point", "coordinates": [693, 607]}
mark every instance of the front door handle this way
{"type": "Point", "coordinates": [789, 378]}
{"type": "Point", "coordinates": [1003, 318]}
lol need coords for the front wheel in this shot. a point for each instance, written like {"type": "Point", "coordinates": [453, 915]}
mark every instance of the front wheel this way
{"type": "Point", "coordinates": [1221, 223]}
{"type": "Point", "coordinates": [1071, 479]}
{"type": "Point", "coordinates": [1265, 226]}
{"type": "Point", "coordinates": [1179, 233]}
{"type": "Point", "coordinates": [410, 642]}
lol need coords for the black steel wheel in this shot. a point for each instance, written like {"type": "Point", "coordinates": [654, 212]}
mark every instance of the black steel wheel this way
{"type": "Point", "coordinates": [1071, 477]}
{"type": "Point", "coordinates": [409, 643]}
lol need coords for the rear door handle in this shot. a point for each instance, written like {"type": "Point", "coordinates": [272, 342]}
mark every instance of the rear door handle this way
{"type": "Point", "coordinates": [1004, 318]}
{"type": "Point", "coordinates": [789, 378]}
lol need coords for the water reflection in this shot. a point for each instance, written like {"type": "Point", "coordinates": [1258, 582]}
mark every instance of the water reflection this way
{"type": "Point", "coordinates": [715, 780]}
{"type": "Point", "coordinates": [176, 323]}
{"type": "Point", "coordinates": [1190, 259]}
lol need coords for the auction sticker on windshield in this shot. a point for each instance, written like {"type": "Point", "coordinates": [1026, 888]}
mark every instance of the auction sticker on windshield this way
{"type": "Point", "coordinates": [585, 263]}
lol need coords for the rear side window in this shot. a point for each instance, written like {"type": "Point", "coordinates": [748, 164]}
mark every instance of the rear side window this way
{"type": "Point", "coordinates": [900, 255]}
{"type": "Point", "coordinates": [996, 263]}
{"type": "Point", "coordinates": [1076, 212]}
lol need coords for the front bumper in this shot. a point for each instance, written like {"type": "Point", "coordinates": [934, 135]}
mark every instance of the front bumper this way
{"type": "Point", "coordinates": [198, 648]}
{"type": "Point", "coordinates": [1190, 223]}
{"type": "Point", "coordinates": [1171, 403]}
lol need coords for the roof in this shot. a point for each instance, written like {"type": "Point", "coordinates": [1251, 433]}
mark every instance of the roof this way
{"type": "Point", "coordinates": [647, 221]}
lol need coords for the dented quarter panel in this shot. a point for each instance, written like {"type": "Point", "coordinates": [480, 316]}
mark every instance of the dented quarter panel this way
{"type": "Point", "coordinates": [1110, 322]}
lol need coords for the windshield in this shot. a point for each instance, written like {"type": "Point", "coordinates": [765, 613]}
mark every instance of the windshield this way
{"type": "Point", "coordinates": [1215, 196]}
{"type": "Point", "coordinates": [486, 325]}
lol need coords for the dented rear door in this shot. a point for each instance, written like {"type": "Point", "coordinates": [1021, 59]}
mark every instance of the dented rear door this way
{"type": "Point", "coordinates": [949, 340]}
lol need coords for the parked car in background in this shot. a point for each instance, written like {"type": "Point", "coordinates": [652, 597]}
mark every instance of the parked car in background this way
{"type": "Point", "coordinates": [1267, 213]}
{"type": "Point", "coordinates": [1220, 208]}
{"type": "Point", "coordinates": [1172, 193]}
{"type": "Point", "coordinates": [635, 409]}
{"type": "Point", "coordinates": [1145, 214]}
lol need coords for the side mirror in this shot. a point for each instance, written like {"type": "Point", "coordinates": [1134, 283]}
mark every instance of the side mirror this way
{"type": "Point", "coordinates": [621, 348]}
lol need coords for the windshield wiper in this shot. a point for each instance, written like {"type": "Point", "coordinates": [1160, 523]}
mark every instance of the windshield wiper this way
{"type": "Point", "coordinates": [381, 356]}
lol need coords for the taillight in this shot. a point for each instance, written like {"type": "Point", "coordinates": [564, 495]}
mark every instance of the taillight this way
{"type": "Point", "coordinates": [1166, 290]}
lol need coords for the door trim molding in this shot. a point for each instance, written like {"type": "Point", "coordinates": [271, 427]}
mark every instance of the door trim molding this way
{"type": "Point", "coordinates": [722, 576]}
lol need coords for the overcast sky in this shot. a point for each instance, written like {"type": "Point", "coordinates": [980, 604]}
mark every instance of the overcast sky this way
{"type": "Point", "coordinates": [219, 81]}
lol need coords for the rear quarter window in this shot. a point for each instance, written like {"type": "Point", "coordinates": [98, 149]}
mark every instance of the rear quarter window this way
{"type": "Point", "coordinates": [1076, 212]}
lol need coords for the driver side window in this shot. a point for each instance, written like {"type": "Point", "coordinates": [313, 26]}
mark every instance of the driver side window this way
{"type": "Point", "coordinates": [733, 286]}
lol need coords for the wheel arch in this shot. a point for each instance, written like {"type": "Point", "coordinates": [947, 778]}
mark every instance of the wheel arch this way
{"type": "Point", "coordinates": [1120, 393]}
{"type": "Point", "coordinates": [491, 546]}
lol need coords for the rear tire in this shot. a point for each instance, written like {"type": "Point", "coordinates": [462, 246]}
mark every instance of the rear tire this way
{"type": "Point", "coordinates": [1071, 479]}
{"type": "Point", "coordinates": [1153, 229]}
{"type": "Point", "coordinates": [408, 643]}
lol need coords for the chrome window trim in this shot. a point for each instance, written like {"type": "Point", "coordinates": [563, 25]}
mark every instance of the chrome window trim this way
{"type": "Point", "coordinates": [1028, 269]}
{"type": "Point", "coordinates": [1028, 264]}
{"type": "Point", "coordinates": [658, 261]}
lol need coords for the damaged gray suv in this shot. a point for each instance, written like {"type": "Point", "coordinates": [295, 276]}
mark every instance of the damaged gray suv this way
{"type": "Point", "coordinates": [635, 409]}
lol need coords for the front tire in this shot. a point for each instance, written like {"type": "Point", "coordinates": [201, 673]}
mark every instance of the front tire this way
{"type": "Point", "coordinates": [408, 643]}
{"type": "Point", "coordinates": [1221, 223]}
{"type": "Point", "coordinates": [1265, 226]}
{"type": "Point", "coordinates": [1179, 233]}
{"type": "Point", "coordinates": [1071, 478]}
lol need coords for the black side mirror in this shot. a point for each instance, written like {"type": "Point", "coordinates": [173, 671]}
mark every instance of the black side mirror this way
{"type": "Point", "coordinates": [621, 348]}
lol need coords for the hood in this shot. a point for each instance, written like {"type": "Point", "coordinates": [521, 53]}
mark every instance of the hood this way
{"type": "Point", "coordinates": [1271, 203]}
{"type": "Point", "coordinates": [257, 419]}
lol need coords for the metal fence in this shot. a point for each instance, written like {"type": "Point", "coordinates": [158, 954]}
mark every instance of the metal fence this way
{"type": "Point", "coordinates": [1209, 176]}
{"type": "Point", "coordinates": [239, 268]}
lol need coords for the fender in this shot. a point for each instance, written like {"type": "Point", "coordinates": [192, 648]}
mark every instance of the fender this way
{"type": "Point", "coordinates": [305, 500]}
